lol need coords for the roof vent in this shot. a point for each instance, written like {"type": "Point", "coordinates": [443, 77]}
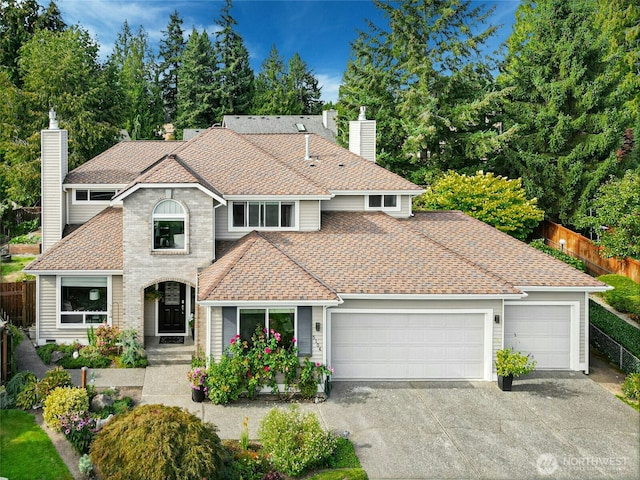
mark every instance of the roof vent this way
{"type": "Point", "coordinates": [307, 155]}
{"type": "Point", "coordinates": [53, 122]}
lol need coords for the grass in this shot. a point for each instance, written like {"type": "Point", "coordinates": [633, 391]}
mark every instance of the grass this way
{"type": "Point", "coordinates": [343, 474]}
{"type": "Point", "coordinates": [15, 266]}
{"type": "Point", "coordinates": [27, 451]}
{"type": "Point", "coordinates": [625, 297]}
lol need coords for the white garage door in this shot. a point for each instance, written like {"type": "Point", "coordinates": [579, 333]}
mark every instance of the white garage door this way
{"type": "Point", "coordinates": [542, 330]}
{"type": "Point", "coordinates": [395, 346]}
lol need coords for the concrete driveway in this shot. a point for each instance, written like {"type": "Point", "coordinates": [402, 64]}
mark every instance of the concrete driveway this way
{"type": "Point", "coordinates": [552, 425]}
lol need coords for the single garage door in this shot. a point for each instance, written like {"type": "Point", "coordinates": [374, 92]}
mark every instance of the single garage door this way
{"type": "Point", "coordinates": [542, 330]}
{"type": "Point", "coordinates": [394, 346]}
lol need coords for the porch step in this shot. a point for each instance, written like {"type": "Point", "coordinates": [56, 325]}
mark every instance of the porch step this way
{"type": "Point", "coordinates": [179, 354]}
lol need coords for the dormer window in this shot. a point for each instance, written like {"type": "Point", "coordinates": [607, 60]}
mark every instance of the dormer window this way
{"type": "Point", "coordinates": [169, 226]}
{"type": "Point", "coordinates": [82, 195]}
{"type": "Point", "coordinates": [382, 202]}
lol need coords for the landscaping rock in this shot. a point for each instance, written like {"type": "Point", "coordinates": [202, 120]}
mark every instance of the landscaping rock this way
{"type": "Point", "coordinates": [101, 401]}
{"type": "Point", "coordinates": [56, 356]}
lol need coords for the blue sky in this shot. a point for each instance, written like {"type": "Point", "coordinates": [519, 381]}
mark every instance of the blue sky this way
{"type": "Point", "coordinates": [319, 30]}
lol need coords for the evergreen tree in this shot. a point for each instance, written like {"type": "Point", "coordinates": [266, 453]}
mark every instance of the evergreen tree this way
{"type": "Point", "coordinates": [59, 70]}
{"type": "Point", "coordinates": [437, 93]}
{"type": "Point", "coordinates": [141, 103]}
{"type": "Point", "coordinates": [289, 89]}
{"type": "Point", "coordinates": [19, 20]}
{"type": "Point", "coordinates": [234, 76]}
{"type": "Point", "coordinates": [271, 86]}
{"type": "Point", "coordinates": [196, 94]}
{"type": "Point", "coordinates": [172, 47]}
{"type": "Point", "coordinates": [564, 101]}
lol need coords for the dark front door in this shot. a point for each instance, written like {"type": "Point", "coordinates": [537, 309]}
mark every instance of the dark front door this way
{"type": "Point", "coordinates": [172, 308]}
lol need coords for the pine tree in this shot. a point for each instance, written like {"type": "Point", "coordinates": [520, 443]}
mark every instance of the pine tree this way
{"type": "Point", "coordinates": [234, 76]}
{"type": "Point", "coordinates": [196, 94]}
{"type": "Point", "coordinates": [565, 103]}
{"type": "Point", "coordinates": [437, 89]}
{"type": "Point", "coordinates": [172, 47]}
{"type": "Point", "coordinates": [136, 69]}
{"type": "Point", "coordinates": [302, 88]}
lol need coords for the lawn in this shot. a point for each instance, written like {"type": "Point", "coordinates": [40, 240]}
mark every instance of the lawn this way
{"type": "Point", "coordinates": [11, 271]}
{"type": "Point", "coordinates": [27, 452]}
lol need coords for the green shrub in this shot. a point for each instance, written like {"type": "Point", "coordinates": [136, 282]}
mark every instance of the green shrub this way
{"type": "Point", "coordinates": [107, 338]}
{"type": "Point", "coordinates": [344, 455]}
{"type": "Point", "coordinates": [626, 335]}
{"type": "Point", "coordinates": [19, 382]}
{"type": "Point", "coordinates": [342, 474]}
{"type": "Point", "coordinates": [64, 402]}
{"type": "Point", "coordinates": [88, 356]}
{"type": "Point", "coordinates": [132, 351]}
{"type": "Point", "coordinates": [28, 397]}
{"type": "Point", "coordinates": [295, 441]}
{"type": "Point", "coordinates": [631, 386]}
{"type": "Point", "coordinates": [568, 259]}
{"type": "Point", "coordinates": [625, 296]}
{"type": "Point", "coordinates": [45, 351]}
{"type": "Point", "coordinates": [58, 377]}
{"type": "Point", "coordinates": [27, 238]}
{"type": "Point", "coordinates": [26, 227]}
{"type": "Point", "coordinates": [157, 441]}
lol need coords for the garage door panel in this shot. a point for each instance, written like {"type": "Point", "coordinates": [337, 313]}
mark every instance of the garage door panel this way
{"type": "Point", "coordinates": [544, 331]}
{"type": "Point", "coordinates": [407, 346]}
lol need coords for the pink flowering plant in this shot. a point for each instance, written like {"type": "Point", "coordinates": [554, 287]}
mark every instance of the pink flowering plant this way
{"type": "Point", "coordinates": [248, 367]}
{"type": "Point", "coordinates": [311, 374]}
{"type": "Point", "coordinates": [79, 429]}
{"type": "Point", "coordinates": [198, 378]}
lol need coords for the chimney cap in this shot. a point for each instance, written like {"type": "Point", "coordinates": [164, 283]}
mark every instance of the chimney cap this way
{"type": "Point", "coordinates": [362, 115]}
{"type": "Point", "coordinates": [53, 123]}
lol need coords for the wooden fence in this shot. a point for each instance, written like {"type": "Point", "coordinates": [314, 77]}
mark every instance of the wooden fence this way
{"type": "Point", "coordinates": [18, 300]}
{"type": "Point", "coordinates": [581, 247]}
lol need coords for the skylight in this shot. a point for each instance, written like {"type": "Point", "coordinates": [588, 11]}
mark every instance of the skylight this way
{"type": "Point", "coordinates": [301, 127]}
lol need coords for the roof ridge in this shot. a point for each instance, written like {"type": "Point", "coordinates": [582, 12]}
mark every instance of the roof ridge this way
{"type": "Point", "coordinates": [304, 269]}
{"type": "Point", "coordinates": [198, 177]}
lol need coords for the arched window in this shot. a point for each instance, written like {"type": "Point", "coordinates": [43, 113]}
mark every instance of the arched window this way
{"type": "Point", "coordinates": [169, 226]}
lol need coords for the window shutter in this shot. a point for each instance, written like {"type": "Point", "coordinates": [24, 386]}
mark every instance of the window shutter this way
{"type": "Point", "coordinates": [305, 331]}
{"type": "Point", "coordinates": [229, 325]}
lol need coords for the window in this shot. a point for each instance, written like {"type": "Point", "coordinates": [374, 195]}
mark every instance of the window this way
{"type": "Point", "coordinates": [169, 220]}
{"type": "Point", "coordinates": [281, 320]}
{"type": "Point", "coordinates": [263, 214]}
{"type": "Point", "coordinates": [90, 195]}
{"type": "Point", "coordinates": [382, 202]}
{"type": "Point", "coordinates": [83, 300]}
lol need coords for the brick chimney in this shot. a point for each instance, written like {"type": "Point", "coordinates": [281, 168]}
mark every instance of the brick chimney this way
{"type": "Point", "coordinates": [54, 166]}
{"type": "Point", "coordinates": [362, 136]}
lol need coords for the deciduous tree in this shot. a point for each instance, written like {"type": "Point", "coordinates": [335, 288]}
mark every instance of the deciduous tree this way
{"type": "Point", "coordinates": [493, 199]}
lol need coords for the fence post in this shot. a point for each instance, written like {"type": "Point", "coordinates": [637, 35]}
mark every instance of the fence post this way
{"type": "Point", "coordinates": [5, 357]}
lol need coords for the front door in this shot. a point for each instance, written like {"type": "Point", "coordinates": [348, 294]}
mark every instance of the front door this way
{"type": "Point", "coordinates": [171, 314]}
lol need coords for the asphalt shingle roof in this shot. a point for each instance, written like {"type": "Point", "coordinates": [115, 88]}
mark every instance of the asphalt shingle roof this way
{"type": "Point", "coordinates": [497, 252]}
{"type": "Point", "coordinates": [277, 124]}
{"type": "Point", "coordinates": [96, 245]}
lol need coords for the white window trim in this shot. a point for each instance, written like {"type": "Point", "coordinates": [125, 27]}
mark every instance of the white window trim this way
{"type": "Point", "coordinates": [170, 216]}
{"type": "Point", "coordinates": [382, 208]}
{"type": "Point", "coordinates": [88, 201]}
{"type": "Point", "coordinates": [266, 315]}
{"type": "Point", "coordinates": [83, 326]}
{"type": "Point", "coordinates": [296, 217]}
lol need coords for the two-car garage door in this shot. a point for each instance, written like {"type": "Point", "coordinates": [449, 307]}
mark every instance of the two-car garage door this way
{"type": "Point", "coordinates": [391, 345]}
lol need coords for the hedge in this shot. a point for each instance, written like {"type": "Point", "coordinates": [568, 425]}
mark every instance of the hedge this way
{"type": "Point", "coordinates": [626, 335]}
{"type": "Point", "coordinates": [568, 259]}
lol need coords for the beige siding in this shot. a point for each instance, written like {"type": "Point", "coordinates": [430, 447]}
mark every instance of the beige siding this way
{"type": "Point", "coordinates": [81, 213]}
{"type": "Point", "coordinates": [318, 347]}
{"type": "Point", "coordinates": [116, 301]}
{"type": "Point", "coordinates": [216, 332]}
{"type": "Point", "coordinates": [565, 297]}
{"type": "Point", "coordinates": [344, 203]}
{"type": "Point", "coordinates": [222, 225]}
{"type": "Point", "coordinates": [309, 215]}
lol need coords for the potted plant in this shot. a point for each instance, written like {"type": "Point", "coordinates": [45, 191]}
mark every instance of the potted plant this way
{"type": "Point", "coordinates": [510, 364]}
{"type": "Point", "coordinates": [198, 379]}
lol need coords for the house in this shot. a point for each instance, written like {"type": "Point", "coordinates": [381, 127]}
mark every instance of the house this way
{"type": "Point", "coordinates": [292, 232]}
